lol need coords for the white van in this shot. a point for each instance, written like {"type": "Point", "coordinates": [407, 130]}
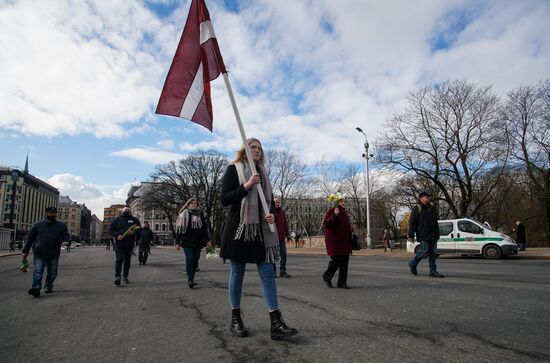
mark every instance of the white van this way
{"type": "Point", "coordinates": [468, 237]}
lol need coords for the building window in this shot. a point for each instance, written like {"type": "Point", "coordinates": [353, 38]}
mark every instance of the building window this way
{"type": "Point", "coordinates": [156, 227]}
{"type": "Point", "coordinates": [164, 227]}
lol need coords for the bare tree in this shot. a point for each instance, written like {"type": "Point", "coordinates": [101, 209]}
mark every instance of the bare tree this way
{"type": "Point", "coordinates": [449, 134]}
{"type": "Point", "coordinates": [527, 115]}
{"type": "Point", "coordinates": [198, 175]}
{"type": "Point", "coordinates": [288, 174]}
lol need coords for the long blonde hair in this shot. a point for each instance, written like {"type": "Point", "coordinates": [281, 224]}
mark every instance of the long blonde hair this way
{"type": "Point", "coordinates": [189, 201]}
{"type": "Point", "coordinates": [241, 154]}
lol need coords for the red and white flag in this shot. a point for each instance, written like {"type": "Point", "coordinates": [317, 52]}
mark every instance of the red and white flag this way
{"type": "Point", "coordinates": [186, 91]}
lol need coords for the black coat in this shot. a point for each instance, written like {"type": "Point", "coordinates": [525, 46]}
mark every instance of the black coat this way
{"type": "Point", "coordinates": [231, 196]}
{"type": "Point", "coordinates": [146, 237]}
{"type": "Point", "coordinates": [520, 233]}
{"type": "Point", "coordinates": [194, 238]}
{"type": "Point", "coordinates": [45, 238]}
{"type": "Point", "coordinates": [423, 223]}
{"type": "Point", "coordinates": [121, 225]}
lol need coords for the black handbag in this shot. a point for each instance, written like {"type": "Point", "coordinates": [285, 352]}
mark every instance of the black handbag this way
{"type": "Point", "coordinates": [355, 243]}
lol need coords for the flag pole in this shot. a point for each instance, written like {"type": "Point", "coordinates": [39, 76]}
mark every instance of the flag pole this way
{"type": "Point", "coordinates": [246, 147]}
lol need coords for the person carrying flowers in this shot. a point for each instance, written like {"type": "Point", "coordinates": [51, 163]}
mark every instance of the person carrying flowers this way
{"type": "Point", "coordinates": [337, 230]}
{"type": "Point", "coordinates": [125, 230]}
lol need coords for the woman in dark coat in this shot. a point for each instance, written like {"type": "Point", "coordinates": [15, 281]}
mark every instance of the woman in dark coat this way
{"type": "Point", "coordinates": [192, 236]}
{"type": "Point", "coordinates": [337, 231]}
{"type": "Point", "coordinates": [247, 237]}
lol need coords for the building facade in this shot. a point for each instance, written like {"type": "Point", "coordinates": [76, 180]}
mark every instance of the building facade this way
{"type": "Point", "coordinates": [69, 212]}
{"type": "Point", "coordinates": [110, 214]}
{"type": "Point", "coordinates": [96, 229]}
{"type": "Point", "coordinates": [158, 221]}
{"type": "Point", "coordinates": [85, 224]}
{"type": "Point", "coordinates": [23, 199]}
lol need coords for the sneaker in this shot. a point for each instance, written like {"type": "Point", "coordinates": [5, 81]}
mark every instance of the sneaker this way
{"type": "Point", "coordinates": [284, 275]}
{"type": "Point", "coordinates": [328, 283]}
{"type": "Point", "coordinates": [413, 269]}
{"type": "Point", "coordinates": [435, 274]}
{"type": "Point", "coordinates": [117, 281]}
{"type": "Point", "coordinates": [126, 281]}
{"type": "Point", "coordinates": [344, 287]}
{"type": "Point", "coordinates": [192, 284]}
{"type": "Point", "coordinates": [49, 290]}
{"type": "Point", "coordinates": [34, 292]}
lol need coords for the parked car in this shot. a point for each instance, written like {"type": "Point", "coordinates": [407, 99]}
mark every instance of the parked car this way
{"type": "Point", "coordinates": [465, 236]}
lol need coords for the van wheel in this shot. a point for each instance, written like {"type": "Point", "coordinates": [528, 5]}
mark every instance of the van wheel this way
{"type": "Point", "coordinates": [492, 252]}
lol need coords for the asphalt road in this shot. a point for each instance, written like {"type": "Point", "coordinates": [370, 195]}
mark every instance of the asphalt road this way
{"type": "Point", "coordinates": [481, 311]}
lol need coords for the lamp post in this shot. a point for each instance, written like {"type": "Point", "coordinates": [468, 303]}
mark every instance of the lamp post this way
{"type": "Point", "coordinates": [367, 156]}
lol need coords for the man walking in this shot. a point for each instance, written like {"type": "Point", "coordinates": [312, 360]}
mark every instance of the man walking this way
{"type": "Point", "coordinates": [145, 239]}
{"type": "Point", "coordinates": [423, 224]}
{"type": "Point", "coordinates": [125, 230]}
{"type": "Point", "coordinates": [45, 238]}
{"type": "Point", "coordinates": [520, 235]}
{"type": "Point", "coordinates": [282, 233]}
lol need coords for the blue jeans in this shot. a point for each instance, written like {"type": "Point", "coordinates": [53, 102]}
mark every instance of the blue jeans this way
{"type": "Point", "coordinates": [192, 256]}
{"type": "Point", "coordinates": [39, 265]}
{"type": "Point", "coordinates": [236, 275]}
{"type": "Point", "coordinates": [282, 250]}
{"type": "Point", "coordinates": [427, 249]}
{"type": "Point", "coordinates": [122, 254]}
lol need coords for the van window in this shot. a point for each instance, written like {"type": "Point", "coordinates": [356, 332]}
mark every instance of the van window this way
{"type": "Point", "coordinates": [445, 228]}
{"type": "Point", "coordinates": [469, 227]}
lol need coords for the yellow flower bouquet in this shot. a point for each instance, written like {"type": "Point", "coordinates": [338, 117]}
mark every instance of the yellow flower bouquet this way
{"type": "Point", "coordinates": [334, 198]}
{"type": "Point", "coordinates": [130, 231]}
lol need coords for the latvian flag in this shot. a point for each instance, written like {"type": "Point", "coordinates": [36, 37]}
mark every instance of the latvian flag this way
{"type": "Point", "coordinates": [186, 91]}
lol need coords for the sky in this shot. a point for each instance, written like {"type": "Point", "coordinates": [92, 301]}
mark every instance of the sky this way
{"type": "Point", "coordinates": [80, 79]}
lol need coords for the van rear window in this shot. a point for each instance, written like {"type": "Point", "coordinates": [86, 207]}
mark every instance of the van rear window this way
{"type": "Point", "coordinates": [445, 228]}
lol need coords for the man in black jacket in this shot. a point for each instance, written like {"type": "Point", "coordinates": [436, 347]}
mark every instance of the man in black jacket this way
{"type": "Point", "coordinates": [423, 224]}
{"type": "Point", "coordinates": [45, 238]}
{"type": "Point", "coordinates": [145, 240]}
{"type": "Point", "coordinates": [125, 230]}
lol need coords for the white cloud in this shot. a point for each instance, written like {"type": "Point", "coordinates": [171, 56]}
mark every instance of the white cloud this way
{"type": "Point", "coordinates": [166, 144]}
{"type": "Point", "coordinates": [147, 155]}
{"type": "Point", "coordinates": [96, 197]}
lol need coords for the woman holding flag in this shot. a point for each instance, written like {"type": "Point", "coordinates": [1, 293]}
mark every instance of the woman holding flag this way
{"type": "Point", "coordinates": [247, 237]}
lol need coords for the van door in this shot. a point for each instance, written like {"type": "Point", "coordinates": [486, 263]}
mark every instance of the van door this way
{"type": "Point", "coordinates": [446, 243]}
{"type": "Point", "coordinates": [468, 237]}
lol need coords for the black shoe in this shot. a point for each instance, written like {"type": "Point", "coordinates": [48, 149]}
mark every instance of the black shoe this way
{"type": "Point", "coordinates": [192, 284]}
{"type": "Point", "coordinates": [279, 329]}
{"type": "Point", "coordinates": [328, 283]}
{"type": "Point", "coordinates": [49, 290]}
{"type": "Point", "coordinates": [344, 287]}
{"type": "Point", "coordinates": [284, 275]}
{"type": "Point", "coordinates": [237, 326]}
{"type": "Point", "coordinates": [413, 269]}
{"type": "Point", "coordinates": [34, 292]}
{"type": "Point", "coordinates": [126, 281]}
{"type": "Point", "coordinates": [117, 281]}
{"type": "Point", "coordinates": [435, 274]}
{"type": "Point", "coordinates": [197, 269]}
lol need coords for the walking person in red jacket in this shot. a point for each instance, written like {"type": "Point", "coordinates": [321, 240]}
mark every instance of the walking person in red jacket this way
{"type": "Point", "coordinates": [282, 233]}
{"type": "Point", "coordinates": [337, 232]}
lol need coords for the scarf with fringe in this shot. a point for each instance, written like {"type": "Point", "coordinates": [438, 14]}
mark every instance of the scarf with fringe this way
{"type": "Point", "coordinates": [182, 222]}
{"type": "Point", "coordinates": [251, 227]}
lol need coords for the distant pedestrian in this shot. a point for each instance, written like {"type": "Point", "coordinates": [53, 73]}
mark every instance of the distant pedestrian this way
{"type": "Point", "coordinates": [282, 233]}
{"type": "Point", "coordinates": [12, 246]}
{"type": "Point", "coordinates": [248, 239]}
{"type": "Point", "coordinates": [146, 237]}
{"type": "Point", "coordinates": [45, 238]}
{"type": "Point", "coordinates": [387, 245]}
{"type": "Point", "coordinates": [125, 230]}
{"type": "Point", "coordinates": [423, 224]}
{"type": "Point", "coordinates": [108, 245]}
{"type": "Point", "coordinates": [521, 239]}
{"type": "Point", "coordinates": [68, 247]}
{"type": "Point", "coordinates": [192, 236]}
{"type": "Point", "coordinates": [337, 231]}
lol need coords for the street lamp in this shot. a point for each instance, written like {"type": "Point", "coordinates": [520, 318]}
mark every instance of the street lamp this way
{"type": "Point", "coordinates": [367, 156]}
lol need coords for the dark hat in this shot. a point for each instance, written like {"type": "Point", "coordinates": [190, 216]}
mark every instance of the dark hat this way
{"type": "Point", "coordinates": [51, 209]}
{"type": "Point", "coordinates": [424, 194]}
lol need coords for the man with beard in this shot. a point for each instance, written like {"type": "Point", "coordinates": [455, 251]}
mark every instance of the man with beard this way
{"type": "Point", "coordinates": [45, 238]}
{"type": "Point", "coordinates": [125, 230]}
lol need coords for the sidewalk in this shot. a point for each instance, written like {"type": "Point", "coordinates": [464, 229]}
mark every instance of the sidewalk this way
{"type": "Point", "coordinates": [530, 253]}
{"type": "Point", "coordinates": [4, 253]}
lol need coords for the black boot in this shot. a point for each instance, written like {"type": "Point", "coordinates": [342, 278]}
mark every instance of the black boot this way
{"type": "Point", "coordinates": [279, 329]}
{"type": "Point", "coordinates": [237, 326]}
